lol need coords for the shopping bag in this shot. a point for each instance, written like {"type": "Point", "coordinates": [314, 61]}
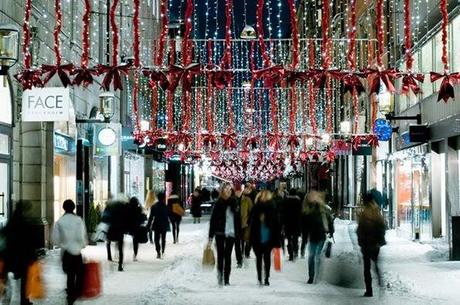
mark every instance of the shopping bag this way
{"type": "Point", "coordinates": [178, 209]}
{"type": "Point", "coordinates": [34, 283]}
{"type": "Point", "coordinates": [328, 248]}
{"type": "Point", "coordinates": [101, 232]}
{"type": "Point", "coordinates": [142, 235]}
{"type": "Point", "coordinates": [208, 257]}
{"type": "Point", "coordinates": [91, 283]}
{"type": "Point", "coordinates": [277, 259]}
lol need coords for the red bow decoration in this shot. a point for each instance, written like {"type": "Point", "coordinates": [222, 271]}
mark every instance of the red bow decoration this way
{"type": "Point", "coordinates": [271, 75]}
{"type": "Point", "coordinates": [154, 135]}
{"type": "Point", "coordinates": [330, 156]}
{"type": "Point", "coordinates": [214, 154]}
{"type": "Point", "coordinates": [446, 90]}
{"type": "Point", "coordinates": [351, 80]}
{"type": "Point", "coordinates": [219, 78]}
{"type": "Point", "coordinates": [274, 140]}
{"type": "Point", "coordinates": [378, 77]}
{"type": "Point", "coordinates": [181, 137]}
{"type": "Point", "coordinates": [112, 75]}
{"type": "Point", "coordinates": [83, 75]}
{"type": "Point", "coordinates": [175, 74]}
{"type": "Point", "coordinates": [138, 137]}
{"type": "Point", "coordinates": [62, 71]}
{"type": "Point", "coordinates": [356, 142]}
{"type": "Point", "coordinates": [229, 140]}
{"type": "Point", "coordinates": [293, 141]}
{"type": "Point", "coordinates": [168, 154]}
{"type": "Point", "coordinates": [244, 155]}
{"type": "Point", "coordinates": [320, 76]}
{"type": "Point", "coordinates": [209, 139]}
{"type": "Point", "coordinates": [183, 155]}
{"type": "Point", "coordinates": [303, 157]}
{"type": "Point", "coordinates": [340, 146]}
{"type": "Point", "coordinates": [372, 140]}
{"type": "Point", "coordinates": [293, 76]}
{"type": "Point", "coordinates": [409, 82]}
{"type": "Point", "coordinates": [157, 76]}
{"type": "Point", "coordinates": [29, 78]}
{"type": "Point", "coordinates": [315, 155]}
{"type": "Point", "coordinates": [252, 141]}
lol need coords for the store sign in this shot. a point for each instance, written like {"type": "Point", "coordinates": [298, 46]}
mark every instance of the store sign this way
{"type": "Point", "coordinates": [107, 139]}
{"type": "Point", "coordinates": [46, 104]}
{"type": "Point", "coordinates": [63, 144]}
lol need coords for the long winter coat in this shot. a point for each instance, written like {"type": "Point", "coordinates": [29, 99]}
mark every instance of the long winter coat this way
{"type": "Point", "coordinates": [172, 216]}
{"type": "Point", "coordinates": [195, 209]}
{"type": "Point", "coordinates": [135, 217]}
{"type": "Point", "coordinates": [371, 228]}
{"type": "Point", "coordinates": [317, 223]}
{"type": "Point", "coordinates": [115, 215]}
{"type": "Point", "coordinates": [291, 213]}
{"type": "Point", "coordinates": [158, 219]}
{"type": "Point", "coordinates": [218, 217]}
{"type": "Point", "coordinates": [246, 205]}
{"type": "Point", "coordinates": [265, 210]}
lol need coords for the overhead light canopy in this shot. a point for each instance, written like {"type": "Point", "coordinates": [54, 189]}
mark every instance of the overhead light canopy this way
{"type": "Point", "coordinates": [248, 33]}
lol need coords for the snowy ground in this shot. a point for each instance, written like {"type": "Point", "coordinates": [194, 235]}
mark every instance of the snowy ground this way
{"type": "Point", "coordinates": [413, 273]}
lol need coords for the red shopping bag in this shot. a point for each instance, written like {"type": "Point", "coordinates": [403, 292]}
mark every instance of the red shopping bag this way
{"type": "Point", "coordinates": [92, 283]}
{"type": "Point", "coordinates": [277, 259]}
{"type": "Point", "coordinates": [35, 288]}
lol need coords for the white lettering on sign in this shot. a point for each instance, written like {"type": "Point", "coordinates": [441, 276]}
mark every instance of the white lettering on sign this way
{"type": "Point", "coordinates": [61, 142]}
{"type": "Point", "coordinates": [45, 104]}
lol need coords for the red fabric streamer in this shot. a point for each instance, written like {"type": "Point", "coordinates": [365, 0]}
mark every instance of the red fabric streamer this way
{"type": "Point", "coordinates": [229, 140]}
{"type": "Point", "coordinates": [154, 112]}
{"type": "Point", "coordinates": [377, 77]}
{"type": "Point", "coordinates": [164, 31]}
{"type": "Point", "coordinates": [380, 33]}
{"type": "Point", "coordinates": [136, 39]}
{"type": "Point", "coordinates": [445, 24]}
{"type": "Point", "coordinates": [156, 76]}
{"type": "Point", "coordinates": [409, 82]}
{"type": "Point", "coordinates": [311, 88]}
{"type": "Point", "coordinates": [355, 99]}
{"type": "Point", "coordinates": [351, 56]}
{"type": "Point", "coordinates": [408, 36]}
{"type": "Point", "coordinates": [260, 31]}
{"type": "Point", "coordinates": [27, 36]}
{"type": "Point", "coordinates": [137, 125]}
{"type": "Point", "coordinates": [186, 44]}
{"type": "Point", "coordinates": [175, 74]}
{"type": "Point", "coordinates": [325, 34]}
{"type": "Point", "coordinates": [226, 61]}
{"type": "Point", "coordinates": [295, 34]}
{"type": "Point", "coordinates": [113, 25]}
{"type": "Point", "coordinates": [57, 31]}
{"type": "Point", "coordinates": [112, 75]}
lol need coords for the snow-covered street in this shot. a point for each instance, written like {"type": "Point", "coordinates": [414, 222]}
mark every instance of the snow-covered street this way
{"type": "Point", "coordinates": [413, 273]}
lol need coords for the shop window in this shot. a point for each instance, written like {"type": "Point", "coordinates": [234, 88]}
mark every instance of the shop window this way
{"type": "Point", "coordinates": [426, 65]}
{"type": "Point", "coordinates": [5, 102]}
{"type": "Point", "coordinates": [455, 42]}
{"type": "Point", "coordinates": [4, 144]}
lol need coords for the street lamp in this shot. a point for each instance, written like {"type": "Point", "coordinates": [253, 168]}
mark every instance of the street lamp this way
{"type": "Point", "coordinates": [9, 47]}
{"type": "Point", "coordinates": [248, 32]}
{"type": "Point", "coordinates": [107, 105]}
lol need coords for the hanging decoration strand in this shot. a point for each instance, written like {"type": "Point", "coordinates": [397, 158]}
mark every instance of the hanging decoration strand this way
{"type": "Point", "coordinates": [164, 31]}
{"type": "Point", "coordinates": [408, 36]}
{"type": "Point", "coordinates": [170, 93]}
{"type": "Point", "coordinates": [227, 58]}
{"type": "Point", "coordinates": [325, 49]}
{"type": "Point", "coordinates": [57, 31]}
{"type": "Point", "coordinates": [186, 49]}
{"type": "Point", "coordinates": [311, 88]}
{"type": "Point", "coordinates": [351, 58]}
{"type": "Point", "coordinates": [137, 63]}
{"type": "Point", "coordinates": [380, 34]}
{"type": "Point", "coordinates": [27, 35]}
{"type": "Point", "coordinates": [85, 35]}
{"type": "Point", "coordinates": [260, 31]}
{"type": "Point", "coordinates": [209, 92]}
{"type": "Point", "coordinates": [445, 24]}
{"type": "Point", "coordinates": [115, 37]}
{"type": "Point", "coordinates": [295, 34]}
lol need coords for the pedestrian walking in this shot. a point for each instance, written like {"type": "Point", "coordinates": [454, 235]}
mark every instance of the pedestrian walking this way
{"type": "Point", "coordinates": [21, 247]}
{"type": "Point", "coordinates": [264, 233]}
{"type": "Point", "coordinates": [318, 222]}
{"type": "Point", "coordinates": [292, 214]}
{"type": "Point", "coordinates": [136, 219]}
{"type": "Point", "coordinates": [225, 227]}
{"type": "Point", "coordinates": [115, 216]}
{"type": "Point", "coordinates": [69, 233]}
{"type": "Point", "coordinates": [195, 208]}
{"type": "Point", "coordinates": [176, 211]}
{"type": "Point", "coordinates": [371, 236]}
{"type": "Point", "coordinates": [246, 205]}
{"type": "Point", "coordinates": [159, 223]}
{"type": "Point", "coordinates": [150, 200]}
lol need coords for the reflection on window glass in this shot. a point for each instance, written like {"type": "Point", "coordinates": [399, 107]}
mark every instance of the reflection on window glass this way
{"type": "Point", "coordinates": [456, 44]}
{"type": "Point", "coordinates": [426, 65]}
{"type": "Point", "coordinates": [4, 144]}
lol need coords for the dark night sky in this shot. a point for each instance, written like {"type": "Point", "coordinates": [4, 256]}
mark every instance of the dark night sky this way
{"type": "Point", "coordinates": [177, 12]}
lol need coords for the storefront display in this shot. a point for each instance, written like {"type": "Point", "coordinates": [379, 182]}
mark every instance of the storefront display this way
{"type": "Point", "coordinates": [134, 175]}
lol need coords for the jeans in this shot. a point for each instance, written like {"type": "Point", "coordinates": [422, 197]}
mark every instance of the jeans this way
{"type": "Point", "coordinates": [263, 252]}
{"type": "Point", "coordinates": [314, 257]}
{"type": "Point", "coordinates": [224, 247]}
{"type": "Point", "coordinates": [160, 235]}
{"type": "Point", "coordinates": [120, 252]}
{"type": "Point", "coordinates": [368, 255]}
{"type": "Point", "coordinates": [73, 267]}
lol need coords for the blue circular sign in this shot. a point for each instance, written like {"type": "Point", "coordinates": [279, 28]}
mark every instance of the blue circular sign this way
{"type": "Point", "coordinates": [383, 129]}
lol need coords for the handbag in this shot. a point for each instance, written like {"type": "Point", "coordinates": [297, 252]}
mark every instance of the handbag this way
{"type": "Point", "coordinates": [328, 247]}
{"type": "Point", "coordinates": [34, 283]}
{"type": "Point", "coordinates": [178, 209]}
{"type": "Point", "coordinates": [277, 259]}
{"type": "Point", "coordinates": [208, 257]}
{"type": "Point", "coordinates": [91, 282]}
{"type": "Point", "coordinates": [142, 235]}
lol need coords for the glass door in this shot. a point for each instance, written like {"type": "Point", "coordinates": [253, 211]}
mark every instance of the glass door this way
{"type": "Point", "coordinates": [4, 192]}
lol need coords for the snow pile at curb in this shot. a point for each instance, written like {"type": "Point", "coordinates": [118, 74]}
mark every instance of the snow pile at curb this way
{"type": "Point", "coordinates": [392, 282]}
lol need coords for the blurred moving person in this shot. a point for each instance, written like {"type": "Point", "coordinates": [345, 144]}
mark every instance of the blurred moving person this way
{"type": "Point", "coordinates": [150, 200]}
{"type": "Point", "coordinates": [136, 219]}
{"type": "Point", "coordinates": [69, 233]}
{"type": "Point", "coordinates": [246, 205]}
{"type": "Point", "coordinates": [371, 236]}
{"type": "Point", "coordinates": [159, 223]}
{"type": "Point", "coordinates": [195, 208]}
{"type": "Point", "coordinates": [225, 226]}
{"type": "Point", "coordinates": [292, 207]}
{"type": "Point", "coordinates": [317, 222]}
{"type": "Point", "coordinates": [175, 218]}
{"type": "Point", "coordinates": [264, 233]}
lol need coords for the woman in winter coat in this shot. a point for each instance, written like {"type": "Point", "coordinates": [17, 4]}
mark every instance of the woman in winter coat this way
{"type": "Point", "coordinates": [136, 219]}
{"type": "Point", "coordinates": [175, 218]}
{"type": "Point", "coordinates": [264, 233]}
{"type": "Point", "coordinates": [225, 226]}
{"type": "Point", "coordinates": [246, 205]}
{"type": "Point", "coordinates": [318, 222]}
{"type": "Point", "coordinates": [159, 223]}
{"type": "Point", "coordinates": [195, 208]}
{"type": "Point", "coordinates": [21, 246]}
{"type": "Point", "coordinates": [150, 200]}
{"type": "Point", "coordinates": [371, 236]}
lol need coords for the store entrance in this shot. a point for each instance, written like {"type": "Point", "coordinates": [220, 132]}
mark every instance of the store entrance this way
{"type": "Point", "coordinates": [5, 174]}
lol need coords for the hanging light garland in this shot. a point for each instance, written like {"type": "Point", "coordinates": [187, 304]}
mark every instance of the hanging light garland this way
{"type": "Point", "coordinates": [137, 65]}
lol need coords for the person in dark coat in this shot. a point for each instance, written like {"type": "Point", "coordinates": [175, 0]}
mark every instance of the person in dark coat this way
{"type": "Point", "coordinates": [195, 209]}
{"type": "Point", "coordinates": [318, 221]}
{"type": "Point", "coordinates": [292, 207]}
{"type": "Point", "coordinates": [264, 233]}
{"type": "Point", "coordinates": [159, 223]}
{"type": "Point", "coordinates": [115, 216]}
{"type": "Point", "coordinates": [21, 248]}
{"type": "Point", "coordinates": [225, 226]}
{"type": "Point", "coordinates": [371, 236]}
{"type": "Point", "coordinates": [174, 218]}
{"type": "Point", "coordinates": [136, 219]}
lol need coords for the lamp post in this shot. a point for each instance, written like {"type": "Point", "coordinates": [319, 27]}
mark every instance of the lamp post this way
{"type": "Point", "coordinates": [9, 49]}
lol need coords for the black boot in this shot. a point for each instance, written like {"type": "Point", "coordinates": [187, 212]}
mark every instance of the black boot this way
{"type": "Point", "coordinates": [368, 293]}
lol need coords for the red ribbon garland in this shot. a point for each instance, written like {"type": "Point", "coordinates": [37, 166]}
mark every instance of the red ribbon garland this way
{"type": "Point", "coordinates": [295, 34]}
{"type": "Point", "coordinates": [57, 31]}
{"type": "Point", "coordinates": [380, 33]}
{"type": "Point", "coordinates": [445, 24]}
{"type": "Point", "coordinates": [169, 93]}
{"type": "Point", "coordinates": [27, 36]}
{"type": "Point", "coordinates": [113, 25]}
{"type": "Point", "coordinates": [226, 61]}
{"type": "Point", "coordinates": [186, 50]}
{"type": "Point", "coordinates": [135, 101]}
{"type": "Point", "coordinates": [351, 56]}
{"type": "Point", "coordinates": [311, 88]}
{"type": "Point", "coordinates": [260, 31]}
{"type": "Point", "coordinates": [136, 40]}
{"type": "Point", "coordinates": [325, 33]}
{"type": "Point", "coordinates": [209, 92]}
{"type": "Point", "coordinates": [164, 31]}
